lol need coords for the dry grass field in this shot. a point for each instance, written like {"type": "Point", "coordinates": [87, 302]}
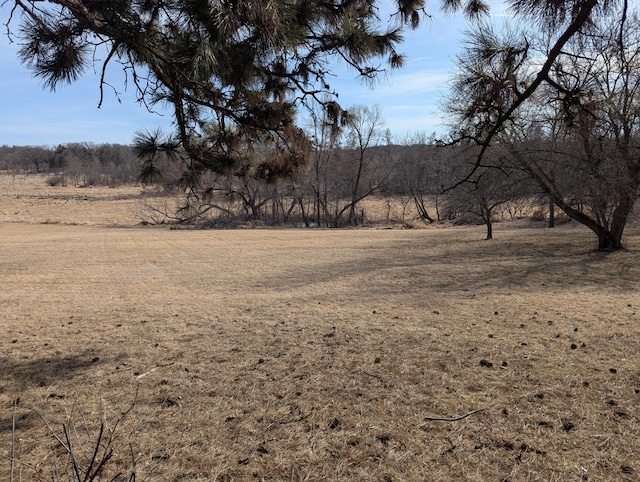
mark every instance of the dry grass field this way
{"type": "Point", "coordinates": [279, 354]}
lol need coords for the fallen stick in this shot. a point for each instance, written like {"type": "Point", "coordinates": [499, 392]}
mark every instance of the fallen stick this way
{"type": "Point", "coordinates": [13, 437]}
{"type": "Point", "coordinates": [153, 370]}
{"type": "Point", "coordinates": [453, 419]}
{"type": "Point", "coordinates": [375, 376]}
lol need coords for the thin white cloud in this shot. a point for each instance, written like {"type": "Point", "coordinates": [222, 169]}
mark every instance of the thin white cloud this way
{"type": "Point", "coordinates": [414, 83]}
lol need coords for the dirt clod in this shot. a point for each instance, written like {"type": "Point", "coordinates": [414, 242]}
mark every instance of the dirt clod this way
{"type": "Point", "coordinates": [383, 439]}
{"type": "Point", "coordinates": [335, 423]}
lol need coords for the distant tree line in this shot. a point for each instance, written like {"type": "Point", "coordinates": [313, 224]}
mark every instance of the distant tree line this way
{"type": "Point", "coordinates": [327, 189]}
{"type": "Point", "coordinates": [331, 178]}
{"type": "Point", "coordinates": [77, 164]}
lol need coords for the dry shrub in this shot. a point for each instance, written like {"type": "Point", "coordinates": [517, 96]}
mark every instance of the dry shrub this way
{"type": "Point", "coordinates": [81, 449]}
{"type": "Point", "coordinates": [540, 214]}
{"type": "Point", "coordinates": [56, 180]}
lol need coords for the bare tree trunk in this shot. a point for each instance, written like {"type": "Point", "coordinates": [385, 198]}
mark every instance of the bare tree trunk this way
{"type": "Point", "coordinates": [487, 222]}
{"type": "Point", "coordinates": [418, 200]}
{"type": "Point", "coordinates": [612, 241]}
{"type": "Point", "coordinates": [305, 218]}
{"type": "Point", "coordinates": [354, 193]}
{"type": "Point", "coordinates": [609, 239]}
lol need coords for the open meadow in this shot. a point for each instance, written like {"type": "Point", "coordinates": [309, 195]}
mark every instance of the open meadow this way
{"type": "Point", "coordinates": [283, 354]}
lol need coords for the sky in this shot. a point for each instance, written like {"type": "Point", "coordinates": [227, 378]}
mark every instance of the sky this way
{"type": "Point", "coordinates": [409, 98]}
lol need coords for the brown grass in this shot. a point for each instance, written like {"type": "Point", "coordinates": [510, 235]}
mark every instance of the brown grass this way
{"type": "Point", "coordinates": [317, 354]}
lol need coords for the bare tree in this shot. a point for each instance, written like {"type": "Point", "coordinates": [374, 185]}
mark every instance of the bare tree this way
{"type": "Point", "coordinates": [426, 169]}
{"type": "Point", "coordinates": [491, 189]}
{"type": "Point", "coordinates": [347, 164]}
{"type": "Point", "coordinates": [325, 138]}
{"type": "Point", "coordinates": [579, 138]}
{"type": "Point", "coordinates": [364, 130]}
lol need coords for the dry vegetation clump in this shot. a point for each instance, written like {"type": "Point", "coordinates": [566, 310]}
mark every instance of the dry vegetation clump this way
{"type": "Point", "coordinates": [322, 354]}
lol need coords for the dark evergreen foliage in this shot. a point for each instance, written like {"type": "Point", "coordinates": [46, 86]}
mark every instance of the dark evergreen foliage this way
{"type": "Point", "coordinates": [234, 72]}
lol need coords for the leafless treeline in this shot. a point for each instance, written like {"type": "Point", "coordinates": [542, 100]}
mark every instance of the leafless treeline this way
{"type": "Point", "coordinates": [77, 164]}
{"type": "Point", "coordinates": [328, 192]}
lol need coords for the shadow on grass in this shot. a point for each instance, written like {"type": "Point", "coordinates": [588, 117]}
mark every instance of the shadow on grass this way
{"type": "Point", "coordinates": [19, 375]}
{"type": "Point", "coordinates": [45, 371]}
{"type": "Point", "coordinates": [447, 265]}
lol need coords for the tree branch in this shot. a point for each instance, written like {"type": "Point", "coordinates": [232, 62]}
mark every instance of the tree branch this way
{"type": "Point", "coordinates": [454, 419]}
{"type": "Point", "coordinates": [543, 75]}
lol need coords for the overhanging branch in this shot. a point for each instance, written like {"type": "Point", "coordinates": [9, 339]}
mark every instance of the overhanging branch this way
{"type": "Point", "coordinates": [543, 76]}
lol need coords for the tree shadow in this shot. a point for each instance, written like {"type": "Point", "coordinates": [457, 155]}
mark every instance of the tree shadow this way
{"type": "Point", "coordinates": [39, 372]}
{"type": "Point", "coordinates": [45, 371]}
{"type": "Point", "coordinates": [474, 266]}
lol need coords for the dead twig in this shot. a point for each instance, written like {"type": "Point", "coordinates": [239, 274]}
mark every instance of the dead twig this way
{"type": "Point", "coordinates": [85, 457]}
{"type": "Point", "coordinates": [377, 377]}
{"type": "Point", "coordinates": [153, 370]}
{"type": "Point", "coordinates": [453, 419]}
{"type": "Point", "coordinates": [20, 463]}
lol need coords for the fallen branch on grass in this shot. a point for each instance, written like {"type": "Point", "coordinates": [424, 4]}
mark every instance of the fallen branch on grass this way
{"type": "Point", "coordinates": [13, 436]}
{"type": "Point", "coordinates": [153, 370]}
{"type": "Point", "coordinates": [453, 419]}
{"type": "Point", "coordinates": [377, 377]}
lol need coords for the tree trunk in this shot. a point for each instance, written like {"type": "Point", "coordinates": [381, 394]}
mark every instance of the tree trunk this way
{"type": "Point", "coordinates": [356, 186]}
{"type": "Point", "coordinates": [418, 200]}
{"type": "Point", "coordinates": [305, 218]}
{"type": "Point", "coordinates": [609, 241]}
{"type": "Point", "coordinates": [487, 222]}
{"type": "Point", "coordinates": [552, 213]}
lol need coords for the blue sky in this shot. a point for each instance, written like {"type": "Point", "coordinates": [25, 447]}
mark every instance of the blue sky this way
{"type": "Point", "coordinates": [31, 115]}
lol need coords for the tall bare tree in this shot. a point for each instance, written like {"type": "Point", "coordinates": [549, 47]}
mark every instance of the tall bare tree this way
{"type": "Point", "coordinates": [579, 136]}
{"type": "Point", "coordinates": [364, 130]}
